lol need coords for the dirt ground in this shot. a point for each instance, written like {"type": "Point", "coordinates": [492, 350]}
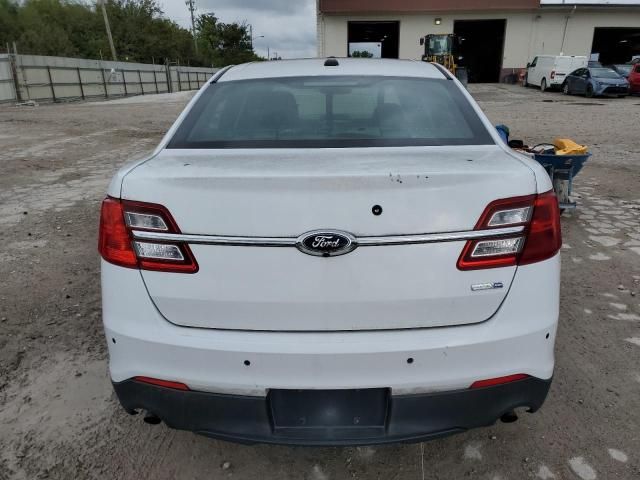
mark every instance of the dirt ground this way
{"type": "Point", "coordinates": [58, 415]}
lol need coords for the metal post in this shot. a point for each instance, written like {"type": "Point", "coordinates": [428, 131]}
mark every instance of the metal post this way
{"type": "Point", "coordinates": [53, 90]}
{"type": "Point", "coordinates": [140, 80]}
{"type": "Point", "coordinates": [124, 83]}
{"type": "Point", "coordinates": [14, 74]}
{"type": "Point", "coordinates": [104, 82]}
{"type": "Point", "coordinates": [155, 80]}
{"type": "Point", "coordinates": [179, 79]}
{"type": "Point", "coordinates": [80, 82]}
{"type": "Point", "coordinates": [167, 75]}
{"type": "Point", "coordinates": [189, 79]}
{"type": "Point", "coordinates": [24, 73]}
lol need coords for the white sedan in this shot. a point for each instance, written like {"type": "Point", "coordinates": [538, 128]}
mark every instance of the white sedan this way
{"type": "Point", "coordinates": [331, 252]}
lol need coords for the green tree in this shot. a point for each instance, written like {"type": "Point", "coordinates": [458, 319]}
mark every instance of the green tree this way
{"type": "Point", "coordinates": [74, 28]}
{"type": "Point", "coordinates": [223, 44]}
{"type": "Point", "coordinates": [361, 54]}
{"type": "Point", "coordinates": [8, 22]}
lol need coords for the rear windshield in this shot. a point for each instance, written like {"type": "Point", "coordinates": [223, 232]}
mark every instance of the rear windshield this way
{"type": "Point", "coordinates": [319, 112]}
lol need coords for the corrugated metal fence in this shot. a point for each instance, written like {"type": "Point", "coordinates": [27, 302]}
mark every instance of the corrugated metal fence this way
{"type": "Point", "coordinates": [45, 79]}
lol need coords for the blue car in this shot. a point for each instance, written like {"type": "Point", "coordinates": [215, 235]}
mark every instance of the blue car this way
{"type": "Point", "coordinates": [595, 81]}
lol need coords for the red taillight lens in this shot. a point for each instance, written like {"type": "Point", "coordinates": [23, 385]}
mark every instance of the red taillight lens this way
{"type": "Point", "coordinates": [498, 381]}
{"type": "Point", "coordinates": [162, 383]}
{"type": "Point", "coordinates": [114, 243]}
{"type": "Point", "coordinates": [540, 239]}
{"type": "Point", "coordinates": [544, 238]}
{"type": "Point", "coordinates": [120, 218]}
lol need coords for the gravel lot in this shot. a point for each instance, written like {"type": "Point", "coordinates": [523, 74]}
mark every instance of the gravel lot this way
{"type": "Point", "coordinates": [59, 418]}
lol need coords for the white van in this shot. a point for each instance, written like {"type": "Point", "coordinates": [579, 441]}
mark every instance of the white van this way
{"type": "Point", "coordinates": [550, 71]}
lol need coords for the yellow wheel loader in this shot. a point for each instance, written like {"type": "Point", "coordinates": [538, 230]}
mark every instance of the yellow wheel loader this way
{"type": "Point", "coordinates": [441, 49]}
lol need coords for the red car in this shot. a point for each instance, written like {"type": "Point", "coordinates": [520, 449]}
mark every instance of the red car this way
{"type": "Point", "coordinates": [634, 79]}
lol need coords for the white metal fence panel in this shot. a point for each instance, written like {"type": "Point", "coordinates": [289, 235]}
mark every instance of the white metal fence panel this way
{"type": "Point", "coordinates": [189, 78]}
{"type": "Point", "coordinates": [7, 88]}
{"type": "Point", "coordinates": [42, 78]}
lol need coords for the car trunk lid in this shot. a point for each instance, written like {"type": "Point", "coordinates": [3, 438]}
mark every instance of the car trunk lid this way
{"type": "Point", "coordinates": [285, 193]}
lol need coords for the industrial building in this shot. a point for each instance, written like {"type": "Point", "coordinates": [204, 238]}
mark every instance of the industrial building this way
{"type": "Point", "coordinates": [496, 38]}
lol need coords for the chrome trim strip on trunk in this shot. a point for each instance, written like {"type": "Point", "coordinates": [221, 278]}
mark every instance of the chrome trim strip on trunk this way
{"type": "Point", "coordinates": [360, 241]}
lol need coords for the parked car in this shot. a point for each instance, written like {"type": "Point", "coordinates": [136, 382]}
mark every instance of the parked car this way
{"type": "Point", "coordinates": [596, 82]}
{"type": "Point", "coordinates": [623, 69]}
{"type": "Point", "coordinates": [329, 253]}
{"type": "Point", "coordinates": [634, 79]}
{"type": "Point", "coordinates": [550, 71]}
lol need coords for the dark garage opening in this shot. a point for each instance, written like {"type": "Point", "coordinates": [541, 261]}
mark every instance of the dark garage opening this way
{"type": "Point", "coordinates": [480, 46]}
{"type": "Point", "coordinates": [387, 34]}
{"type": "Point", "coordinates": [616, 45]}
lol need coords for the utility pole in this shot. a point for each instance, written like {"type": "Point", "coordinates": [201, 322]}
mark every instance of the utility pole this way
{"type": "Point", "coordinates": [108, 27]}
{"type": "Point", "coordinates": [192, 6]}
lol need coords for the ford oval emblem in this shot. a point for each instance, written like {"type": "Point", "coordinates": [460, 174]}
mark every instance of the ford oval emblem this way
{"type": "Point", "coordinates": [326, 243]}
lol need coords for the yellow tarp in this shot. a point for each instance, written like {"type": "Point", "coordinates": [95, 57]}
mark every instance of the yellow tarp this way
{"type": "Point", "coordinates": [564, 146]}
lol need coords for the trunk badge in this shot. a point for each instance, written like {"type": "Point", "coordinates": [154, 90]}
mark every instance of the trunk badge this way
{"type": "Point", "coordinates": [486, 286]}
{"type": "Point", "coordinates": [326, 243]}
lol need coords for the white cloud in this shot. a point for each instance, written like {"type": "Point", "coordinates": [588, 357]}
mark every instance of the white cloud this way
{"type": "Point", "coordinates": [288, 27]}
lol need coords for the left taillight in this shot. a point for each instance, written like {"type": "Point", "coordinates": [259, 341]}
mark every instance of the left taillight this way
{"type": "Point", "coordinates": [117, 245]}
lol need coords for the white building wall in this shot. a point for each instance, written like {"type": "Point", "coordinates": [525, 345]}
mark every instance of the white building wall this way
{"type": "Point", "coordinates": [527, 33]}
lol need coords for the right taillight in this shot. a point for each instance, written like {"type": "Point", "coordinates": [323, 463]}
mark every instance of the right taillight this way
{"type": "Point", "coordinates": [120, 218]}
{"type": "Point", "coordinates": [544, 235]}
{"type": "Point", "coordinates": [539, 238]}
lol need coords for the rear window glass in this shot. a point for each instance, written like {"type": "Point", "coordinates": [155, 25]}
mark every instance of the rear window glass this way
{"type": "Point", "coordinates": [331, 112]}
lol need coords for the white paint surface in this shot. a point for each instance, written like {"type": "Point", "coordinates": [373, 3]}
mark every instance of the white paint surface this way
{"type": "Point", "coordinates": [318, 474]}
{"type": "Point", "coordinates": [582, 468]}
{"type": "Point", "coordinates": [605, 240]}
{"type": "Point", "coordinates": [627, 317]}
{"type": "Point", "coordinates": [618, 455]}
{"type": "Point", "coordinates": [544, 473]}
{"type": "Point", "coordinates": [472, 452]}
{"type": "Point", "coordinates": [619, 306]}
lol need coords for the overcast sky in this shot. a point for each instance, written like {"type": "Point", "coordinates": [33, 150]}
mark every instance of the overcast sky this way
{"type": "Point", "coordinates": [288, 26]}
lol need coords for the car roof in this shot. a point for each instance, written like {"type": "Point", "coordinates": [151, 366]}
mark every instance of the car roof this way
{"type": "Point", "coordinates": [346, 66]}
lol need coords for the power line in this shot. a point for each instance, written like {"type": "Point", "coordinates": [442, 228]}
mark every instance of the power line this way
{"type": "Point", "coordinates": [191, 4]}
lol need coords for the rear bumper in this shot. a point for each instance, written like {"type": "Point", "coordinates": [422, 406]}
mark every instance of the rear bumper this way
{"type": "Point", "coordinates": [518, 339]}
{"type": "Point", "coordinates": [406, 418]}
